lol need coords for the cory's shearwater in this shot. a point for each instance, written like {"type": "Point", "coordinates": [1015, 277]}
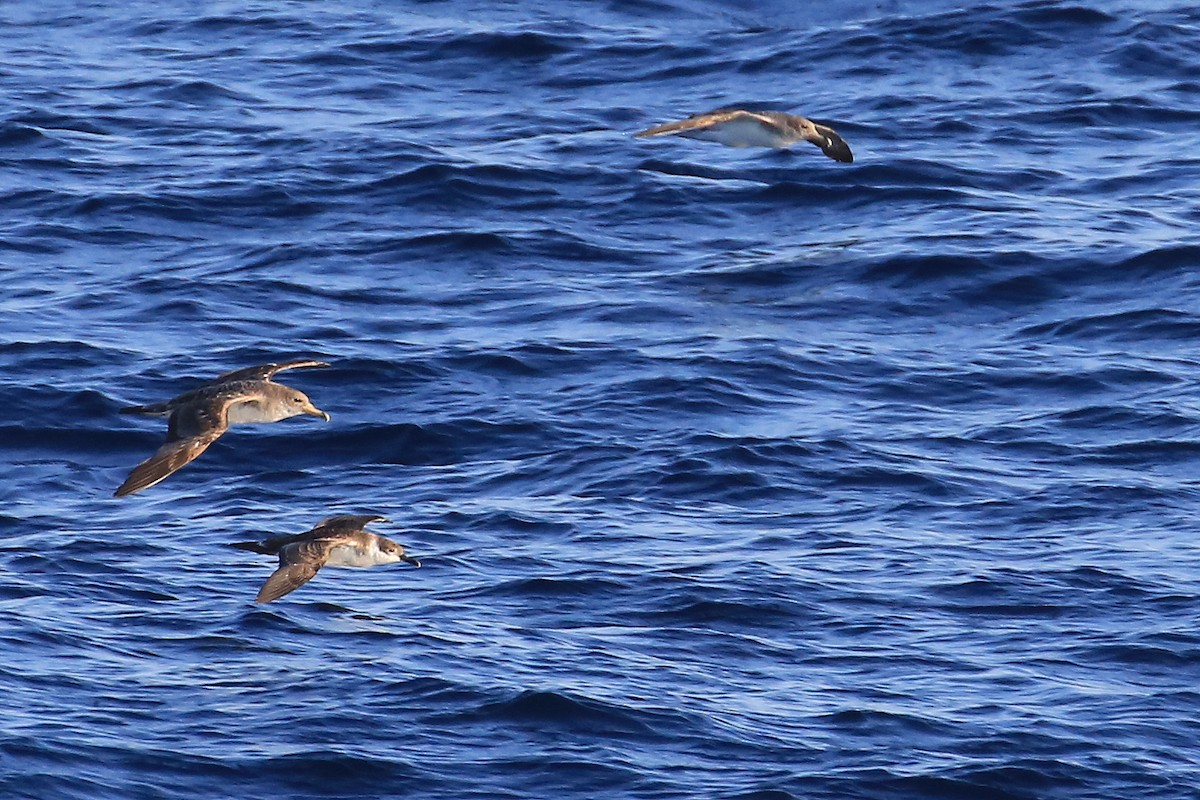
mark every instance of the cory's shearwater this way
{"type": "Point", "coordinates": [739, 128]}
{"type": "Point", "coordinates": [334, 542]}
{"type": "Point", "coordinates": [197, 418]}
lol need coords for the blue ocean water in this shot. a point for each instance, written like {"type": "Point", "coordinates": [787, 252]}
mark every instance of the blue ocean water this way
{"type": "Point", "coordinates": [735, 474]}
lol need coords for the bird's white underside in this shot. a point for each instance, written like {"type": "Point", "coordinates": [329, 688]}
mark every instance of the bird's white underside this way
{"type": "Point", "coordinates": [256, 411]}
{"type": "Point", "coordinates": [739, 133]}
{"type": "Point", "coordinates": [344, 555]}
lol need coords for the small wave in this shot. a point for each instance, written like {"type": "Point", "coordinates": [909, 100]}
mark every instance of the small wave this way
{"type": "Point", "coordinates": [564, 710]}
{"type": "Point", "coordinates": [348, 772]}
{"type": "Point", "coordinates": [564, 588]}
{"type": "Point", "coordinates": [685, 608]}
{"type": "Point", "coordinates": [1137, 325]}
{"type": "Point", "coordinates": [14, 134]}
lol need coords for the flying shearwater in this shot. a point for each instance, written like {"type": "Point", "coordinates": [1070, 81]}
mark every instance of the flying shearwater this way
{"type": "Point", "coordinates": [197, 418]}
{"type": "Point", "coordinates": [739, 128]}
{"type": "Point", "coordinates": [334, 542]}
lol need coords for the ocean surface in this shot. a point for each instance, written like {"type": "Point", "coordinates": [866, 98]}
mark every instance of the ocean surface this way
{"type": "Point", "coordinates": [736, 474]}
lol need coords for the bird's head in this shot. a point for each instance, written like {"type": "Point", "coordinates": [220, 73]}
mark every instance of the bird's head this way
{"type": "Point", "coordinates": [299, 403]}
{"type": "Point", "coordinates": [395, 552]}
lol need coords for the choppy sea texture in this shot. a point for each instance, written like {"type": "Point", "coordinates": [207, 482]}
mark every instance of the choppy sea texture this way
{"type": "Point", "coordinates": [736, 474]}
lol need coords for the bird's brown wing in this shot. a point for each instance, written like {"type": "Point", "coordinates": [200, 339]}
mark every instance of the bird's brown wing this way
{"type": "Point", "coordinates": [264, 372]}
{"type": "Point", "coordinates": [190, 430]}
{"type": "Point", "coordinates": [345, 522]}
{"type": "Point", "coordinates": [298, 563]}
{"type": "Point", "coordinates": [700, 121]}
{"type": "Point", "coordinates": [328, 528]}
{"type": "Point", "coordinates": [832, 144]}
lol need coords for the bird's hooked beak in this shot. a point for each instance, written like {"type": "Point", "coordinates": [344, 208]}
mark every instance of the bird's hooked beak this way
{"type": "Point", "coordinates": [316, 412]}
{"type": "Point", "coordinates": [410, 560]}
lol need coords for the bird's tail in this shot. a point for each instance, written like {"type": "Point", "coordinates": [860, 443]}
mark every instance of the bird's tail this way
{"type": "Point", "coordinates": [155, 410]}
{"type": "Point", "coordinates": [253, 547]}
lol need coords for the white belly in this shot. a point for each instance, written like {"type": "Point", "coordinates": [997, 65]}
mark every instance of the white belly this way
{"type": "Point", "coordinates": [740, 133]}
{"type": "Point", "coordinates": [254, 411]}
{"type": "Point", "coordinates": [345, 555]}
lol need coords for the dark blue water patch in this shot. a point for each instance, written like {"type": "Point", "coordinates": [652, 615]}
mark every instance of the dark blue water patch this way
{"type": "Point", "coordinates": [269, 202]}
{"type": "Point", "coordinates": [696, 395]}
{"type": "Point", "coordinates": [798, 194]}
{"type": "Point", "coordinates": [197, 93]}
{"type": "Point", "coordinates": [1160, 260]}
{"type": "Point", "coordinates": [48, 120]}
{"type": "Point", "coordinates": [959, 35]}
{"type": "Point", "coordinates": [329, 771]}
{"type": "Point", "coordinates": [37, 784]}
{"type": "Point", "coordinates": [763, 794]}
{"type": "Point", "coordinates": [459, 242]}
{"type": "Point", "coordinates": [1111, 581]}
{"type": "Point", "coordinates": [872, 723]}
{"type": "Point", "coordinates": [563, 588]}
{"type": "Point", "coordinates": [1016, 783]}
{"type": "Point", "coordinates": [751, 453]}
{"type": "Point", "coordinates": [64, 355]}
{"type": "Point", "coordinates": [1001, 594]}
{"type": "Point", "coordinates": [500, 46]}
{"type": "Point", "coordinates": [571, 774]}
{"type": "Point", "coordinates": [1116, 114]}
{"type": "Point", "coordinates": [17, 135]}
{"type": "Point", "coordinates": [1064, 17]}
{"type": "Point", "coordinates": [687, 476]}
{"type": "Point", "coordinates": [909, 271]}
{"type": "Point", "coordinates": [251, 23]}
{"type": "Point", "coordinates": [443, 443]}
{"type": "Point", "coordinates": [313, 773]}
{"type": "Point", "coordinates": [538, 709]}
{"type": "Point", "coordinates": [1156, 49]}
{"type": "Point", "coordinates": [1142, 452]}
{"type": "Point", "coordinates": [1165, 655]}
{"type": "Point", "coordinates": [713, 608]}
{"type": "Point", "coordinates": [1101, 418]}
{"type": "Point", "coordinates": [11, 590]}
{"type": "Point", "coordinates": [1140, 324]}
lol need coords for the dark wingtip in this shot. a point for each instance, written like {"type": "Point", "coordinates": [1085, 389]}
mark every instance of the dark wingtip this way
{"type": "Point", "coordinates": [143, 476]}
{"type": "Point", "coordinates": [270, 592]}
{"type": "Point", "coordinates": [657, 130]}
{"type": "Point", "coordinates": [133, 484]}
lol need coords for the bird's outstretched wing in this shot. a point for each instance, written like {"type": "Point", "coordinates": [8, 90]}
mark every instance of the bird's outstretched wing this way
{"type": "Point", "coordinates": [192, 427]}
{"type": "Point", "coordinates": [700, 122]}
{"type": "Point", "coordinates": [298, 563]}
{"type": "Point", "coordinates": [264, 372]}
{"type": "Point", "coordinates": [343, 523]}
{"type": "Point", "coordinates": [832, 144]}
